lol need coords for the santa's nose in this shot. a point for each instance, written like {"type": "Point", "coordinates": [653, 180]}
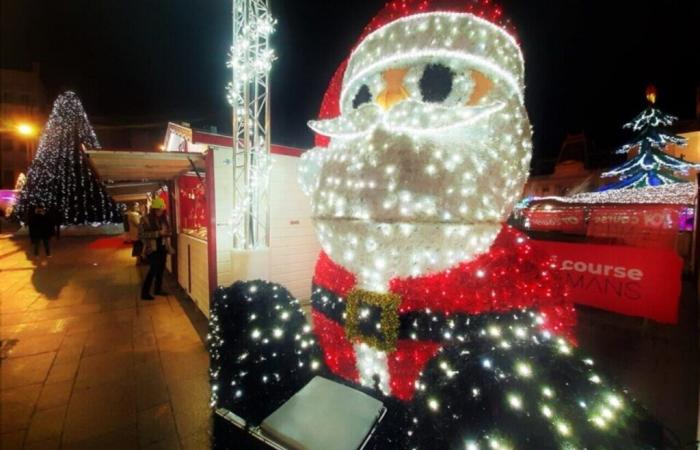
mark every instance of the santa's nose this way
{"type": "Point", "coordinates": [394, 91]}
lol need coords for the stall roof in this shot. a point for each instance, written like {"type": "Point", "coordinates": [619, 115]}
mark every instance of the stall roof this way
{"type": "Point", "coordinates": [130, 192]}
{"type": "Point", "coordinates": [183, 138]}
{"type": "Point", "coordinates": [124, 166]}
{"type": "Point", "coordinates": [670, 194]}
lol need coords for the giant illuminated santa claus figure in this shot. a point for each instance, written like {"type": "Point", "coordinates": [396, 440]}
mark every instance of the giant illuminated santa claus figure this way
{"type": "Point", "coordinates": [422, 294]}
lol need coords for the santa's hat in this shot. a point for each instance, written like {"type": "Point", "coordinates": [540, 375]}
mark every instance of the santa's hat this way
{"type": "Point", "coordinates": [405, 28]}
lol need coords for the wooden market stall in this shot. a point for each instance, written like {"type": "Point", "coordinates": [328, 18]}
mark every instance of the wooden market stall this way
{"type": "Point", "coordinates": [195, 170]}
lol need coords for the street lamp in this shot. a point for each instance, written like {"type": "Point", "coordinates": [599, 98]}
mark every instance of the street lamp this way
{"type": "Point", "coordinates": [25, 129]}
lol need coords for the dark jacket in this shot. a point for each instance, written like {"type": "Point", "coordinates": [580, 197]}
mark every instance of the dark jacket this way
{"type": "Point", "coordinates": [41, 226]}
{"type": "Point", "coordinates": [150, 233]}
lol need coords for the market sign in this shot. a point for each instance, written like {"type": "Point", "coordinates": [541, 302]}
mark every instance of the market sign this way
{"type": "Point", "coordinates": [648, 226]}
{"type": "Point", "coordinates": [569, 220]}
{"type": "Point", "coordinates": [641, 282]}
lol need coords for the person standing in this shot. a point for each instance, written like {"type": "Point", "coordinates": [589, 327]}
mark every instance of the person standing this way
{"type": "Point", "coordinates": [133, 218]}
{"type": "Point", "coordinates": [132, 223]}
{"type": "Point", "coordinates": [56, 220]}
{"type": "Point", "coordinates": [154, 232]}
{"type": "Point", "coordinates": [41, 227]}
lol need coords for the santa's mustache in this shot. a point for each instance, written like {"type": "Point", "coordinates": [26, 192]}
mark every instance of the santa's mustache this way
{"type": "Point", "coordinates": [409, 116]}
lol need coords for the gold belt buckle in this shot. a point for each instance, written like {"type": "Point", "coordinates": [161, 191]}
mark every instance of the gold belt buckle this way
{"type": "Point", "coordinates": [373, 318]}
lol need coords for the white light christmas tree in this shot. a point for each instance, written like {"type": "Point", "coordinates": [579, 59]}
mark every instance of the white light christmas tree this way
{"type": "Point", "coordinates": [60, 178]}
{"type": "Point", "coordinates": [652, 166]}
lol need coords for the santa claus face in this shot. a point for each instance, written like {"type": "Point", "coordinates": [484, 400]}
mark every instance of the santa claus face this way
{"type": "Point", "coordinates": [430, 151]}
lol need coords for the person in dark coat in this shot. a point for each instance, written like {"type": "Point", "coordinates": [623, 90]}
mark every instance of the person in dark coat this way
{"type": "Point", "coordinates": [155, 232]}
{"type": "Point", "coordinates": [56, 221]}
{"type": "Point", "coordinates": [41, 228]}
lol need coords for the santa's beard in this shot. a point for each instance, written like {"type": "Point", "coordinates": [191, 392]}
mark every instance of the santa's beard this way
{"type": "Point", "coordinates": [390, 205]}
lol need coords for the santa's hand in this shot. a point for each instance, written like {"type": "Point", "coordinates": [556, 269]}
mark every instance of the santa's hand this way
{"type": "Point", "coordinates": [261, 347]}
{"type": "Point", "coordinates": [508, 385]}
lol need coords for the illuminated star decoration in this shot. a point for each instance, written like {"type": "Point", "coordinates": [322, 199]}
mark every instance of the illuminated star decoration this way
{"type": "Point", "coordinates": [652, 166]}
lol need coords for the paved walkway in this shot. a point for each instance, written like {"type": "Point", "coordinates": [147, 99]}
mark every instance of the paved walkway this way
{"type": "Point", "coordinates": [86, 364]}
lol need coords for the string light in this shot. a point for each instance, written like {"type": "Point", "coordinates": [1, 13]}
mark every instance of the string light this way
{"type": "Point", "coordinates": [60, 177]}
{"type": "Point", "coordinates": [652, 166]}
{"type": "Point", "coordinates": [422, 297]}
{"type": "Point", "coordinates": [261, 349]}
{"type": "Point", "coordinates": [669, 194]}
{"type": "Point", "coordinates": [354, 181]}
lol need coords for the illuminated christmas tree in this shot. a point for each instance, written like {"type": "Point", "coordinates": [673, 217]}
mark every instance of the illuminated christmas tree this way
{"type": "Point", "coordinates": [652, 166]}
{"type": "Point", "coordinates": [60, 177]}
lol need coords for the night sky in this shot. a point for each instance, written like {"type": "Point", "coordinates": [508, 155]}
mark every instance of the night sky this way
{"type": "Point", "coordinates": [140, 61]}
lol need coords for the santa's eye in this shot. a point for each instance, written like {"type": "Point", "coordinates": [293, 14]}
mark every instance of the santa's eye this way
{"type": "Point", "coordinates": [363, 96]}
{"type": "Point", "coordinates": [436, 83]}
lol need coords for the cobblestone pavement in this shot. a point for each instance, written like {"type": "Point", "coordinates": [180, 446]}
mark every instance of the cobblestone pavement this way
{"type": "Point", "coordinates": [86, 364]}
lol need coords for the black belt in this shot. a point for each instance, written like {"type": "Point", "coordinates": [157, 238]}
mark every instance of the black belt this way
{"type": "Point", "coordinates": [360, 312]}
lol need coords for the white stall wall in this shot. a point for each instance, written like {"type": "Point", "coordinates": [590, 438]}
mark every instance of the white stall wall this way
{"type": "Point", "coordinates": [294, 247]}
{"type": "Point", "coordinates": [193, 274]}
{"type": "Point", "coordinates": [223, 198]}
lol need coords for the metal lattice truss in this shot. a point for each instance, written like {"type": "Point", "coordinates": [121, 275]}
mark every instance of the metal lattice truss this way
{"type": "Point", "coordinates": [248, 93]}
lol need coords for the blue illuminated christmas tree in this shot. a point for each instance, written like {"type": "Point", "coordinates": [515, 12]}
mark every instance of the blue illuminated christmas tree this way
{"type": "Point", "coordinates": [60, 178]}
{"type": "Point", "coordinates": [652, 166]}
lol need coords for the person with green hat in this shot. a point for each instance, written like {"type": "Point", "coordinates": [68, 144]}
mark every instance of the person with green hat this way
{"type": "Point", "coordinates": [155, 232]}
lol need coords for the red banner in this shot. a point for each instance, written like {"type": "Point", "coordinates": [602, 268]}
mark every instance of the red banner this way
{"type": "Point", "coordinates": [568, 220]}
{"type": "Point", "coordinates": [649, 226]}
{"type": "Point", "coordinates": [641, 282]}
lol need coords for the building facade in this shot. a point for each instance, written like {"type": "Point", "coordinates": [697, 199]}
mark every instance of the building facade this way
{"type": "Point", "coordinates": [571, 172]}
{"type": "Point", "coordinates": [22, 114]}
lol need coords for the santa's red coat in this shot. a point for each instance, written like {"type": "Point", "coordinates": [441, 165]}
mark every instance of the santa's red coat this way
{"type": "Point", "coordinates": [512, 275]}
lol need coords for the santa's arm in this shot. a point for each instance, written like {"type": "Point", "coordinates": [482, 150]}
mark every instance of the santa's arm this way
{"type": "Point", "coordinates": [261, 349]}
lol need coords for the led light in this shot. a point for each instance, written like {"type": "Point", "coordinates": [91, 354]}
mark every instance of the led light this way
{"type": "Point", "coordinates": [605, 412]}
{"type": "Point", "coordinates": [547, 411]}
{"type": "Point", "coordinates": [523, 369]}
{"type": "Point", "coordinates": [599, 421]}
{"type": "Point", "coordinates": [515, 401]}
{"type": "Point", "coordinates": [494, 331]}
{"type": "Point", "coordinates": [614, 401]}
{"type": "Point", "coordinates": [563, 428]}
{"type": "Point", "coordinates": [670, 194]}
{"type": "Point", "coordinates": [433, 404]}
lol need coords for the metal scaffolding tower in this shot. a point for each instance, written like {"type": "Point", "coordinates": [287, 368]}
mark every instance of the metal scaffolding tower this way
{"type": "Point", "coordinates": [250, 60]}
